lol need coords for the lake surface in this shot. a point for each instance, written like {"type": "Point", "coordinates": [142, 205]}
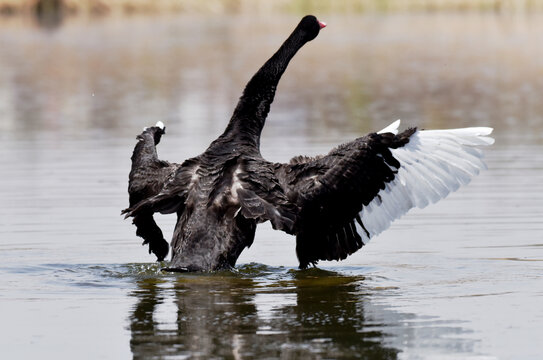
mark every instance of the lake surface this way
{"type": "Point", "coordinates": [459, 279]}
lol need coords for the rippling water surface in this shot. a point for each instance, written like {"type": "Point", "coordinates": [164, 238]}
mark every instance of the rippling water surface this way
{"type": "Point", "coordinates": [460, 279]}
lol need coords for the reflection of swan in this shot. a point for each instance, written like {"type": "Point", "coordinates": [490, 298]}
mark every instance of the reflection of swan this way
{"type": "Point", "coordinates": [333, 203]}
{"type": "Point", "coordinates": [218, 316]}
{"type": "Point", "coordinates": [142, 322]}
{"type": "Point", "coordinates": [212, 313]}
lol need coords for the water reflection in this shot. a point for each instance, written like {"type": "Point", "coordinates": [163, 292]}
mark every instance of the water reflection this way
{"type": "Point", "coordinates": [298, 314]}
{"type": "Point", "coordinates": [71, 101]}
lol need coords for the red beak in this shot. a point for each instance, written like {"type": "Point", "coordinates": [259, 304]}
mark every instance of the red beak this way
{"type": "Point", "coordinates": [322, 24]}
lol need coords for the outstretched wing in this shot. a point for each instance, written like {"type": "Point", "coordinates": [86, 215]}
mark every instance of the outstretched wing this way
{"type": "Point", "coordinates": [356, 191]}
{"type": "Point", "coordinates": [433, 164]}
{"type": "Point", "coordinates": [172, 195]}
{"type": "Point", "coordinates": [147, 178]}
{"type": "Point", "coordinates": [148, 173]}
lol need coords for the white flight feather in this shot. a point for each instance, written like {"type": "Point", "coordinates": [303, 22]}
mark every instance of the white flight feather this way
{"type": "Point", "coordinates": [392, 128]}
{"type": "Point", "coordinates": [433, 164]}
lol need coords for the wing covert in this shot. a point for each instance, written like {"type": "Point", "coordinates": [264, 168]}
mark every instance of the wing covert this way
{"type": "Point", "coordinates": [356, 191]}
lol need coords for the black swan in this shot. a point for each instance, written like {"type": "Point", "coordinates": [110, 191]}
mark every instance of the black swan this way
{"type": "Point", "coordinates": [333, 203]}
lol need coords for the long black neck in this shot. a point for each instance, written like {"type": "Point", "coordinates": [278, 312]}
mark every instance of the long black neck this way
{"type": "Point", "coordinates": [254, 105]}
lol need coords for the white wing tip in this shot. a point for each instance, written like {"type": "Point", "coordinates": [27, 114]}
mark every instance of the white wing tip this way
{"type": "Point", "coordinates": [159, 124]}
{"type": "Point", "coordinates": [484, 132]}
{"type": "Point", "coordinates": [433, 164]}
{"type": "Point", "coordinates": [392, 128]}
{"type": "Point", "coordinates": [477, 135]}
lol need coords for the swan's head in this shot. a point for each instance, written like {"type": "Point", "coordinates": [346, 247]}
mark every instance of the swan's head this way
{"type": "Point", "coordinates": [310, 27]}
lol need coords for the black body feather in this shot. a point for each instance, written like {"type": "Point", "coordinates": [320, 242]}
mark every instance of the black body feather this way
{"type": "Point", "coordinates": [221, 195]}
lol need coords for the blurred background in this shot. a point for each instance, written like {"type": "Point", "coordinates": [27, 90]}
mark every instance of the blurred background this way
{"type": "Point", "coordinates": [78, 81]}
{"type": "Point", "coordinates": [70, 66]}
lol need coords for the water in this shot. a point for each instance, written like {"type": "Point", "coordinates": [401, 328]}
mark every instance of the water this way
{"type": "Point", "coordinates": [460, 279]}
